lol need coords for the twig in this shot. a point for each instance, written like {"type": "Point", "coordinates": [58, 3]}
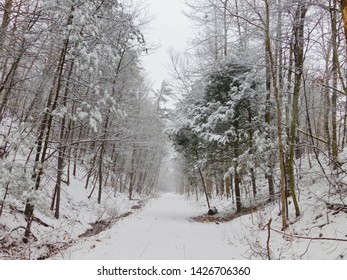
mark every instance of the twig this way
{"type": "Point", "coordinates": [35, 219]}
{"type": "Point", "coordinates": [307, 237]}
{"type": "Point", "coordinates": [17, 228]}
{"type": "Point", "coordinates": [268, 239]}
{"type": "Point", "coordinates": [308, 246]}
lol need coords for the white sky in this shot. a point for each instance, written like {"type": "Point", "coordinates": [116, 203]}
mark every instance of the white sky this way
{"type": "Point", "coordinates": [169, 28]}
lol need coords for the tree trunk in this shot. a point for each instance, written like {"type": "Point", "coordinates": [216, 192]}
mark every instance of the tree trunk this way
{"type": "Point", "coordinates": [225, 25]}
{"type": "Point", "coordinates": [279, 115]}
{"type": "Point", "coordinates": [5, 23]}
{"type": "Point", "coordinates": [204, 187]}
{"type": "Point", "coordinates": [64, 135]}
{"type": "Point", "coordinates": [100, 164]}
{"type": "Point", "coordinates": [6, 85]}
{"type": "Point", "coordinates": [298, 31]}
{"type": "Point", "coordinates": [227, 186]}
{"type": "Point", "coordinates": [268, 110]}
{"type": "Point", "coordinates": [46, 127]}
{"type": "Point", "coordinates": [237, 192]}
{"type": "Point", "coordinates": [132, 173]}
{"type": "Point", "coordinates": [344, 16]}
{"type": "Point", "coordinates": [335, 66]}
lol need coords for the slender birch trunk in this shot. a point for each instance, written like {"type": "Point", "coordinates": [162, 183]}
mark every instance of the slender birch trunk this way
{"type": "Point", "coordinates": [279, 115]}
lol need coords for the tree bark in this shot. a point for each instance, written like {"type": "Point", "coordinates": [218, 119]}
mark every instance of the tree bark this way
{"type": "Point", "coordinates": [299, 42]}
{"type": "Point", "coordinates": [5, 22]}
{"type": "Point", "coordinates": [334, 70]}
{"type": "Point", "coordinates": [204, 187]}
{"type": "Point", "coordinates": [344, 16]}
{"type": "Point", "coordinates": [279, 115]}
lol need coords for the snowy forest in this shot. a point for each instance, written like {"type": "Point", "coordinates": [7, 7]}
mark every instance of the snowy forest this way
{"type": "Point", "coordinates": [245, 146]}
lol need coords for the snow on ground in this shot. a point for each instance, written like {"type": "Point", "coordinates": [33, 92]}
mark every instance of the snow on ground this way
{"type": "Point", "coordinates": [162, 230]}
{"type": "Point", "coordinates": [77, 213]}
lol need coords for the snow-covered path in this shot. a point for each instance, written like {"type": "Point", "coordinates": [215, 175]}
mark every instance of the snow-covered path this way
{"type": "Point", "coordinates": [162, 230]}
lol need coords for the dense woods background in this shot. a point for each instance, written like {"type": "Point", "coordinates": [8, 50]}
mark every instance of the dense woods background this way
{"type": "Point", "coordinates": [74, 99]}
{"type": "Point", "coordinates": [264, 86]}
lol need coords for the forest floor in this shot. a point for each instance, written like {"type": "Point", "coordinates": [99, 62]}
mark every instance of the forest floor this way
{"type": "Point", "coordinates": [166, 229]}
{"type": "Point", "coordinates": [162, 230]}
{"type": "Point", "coordinates": [80, 217]}
{"type": "Point", "coordinates": [171, 226]}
